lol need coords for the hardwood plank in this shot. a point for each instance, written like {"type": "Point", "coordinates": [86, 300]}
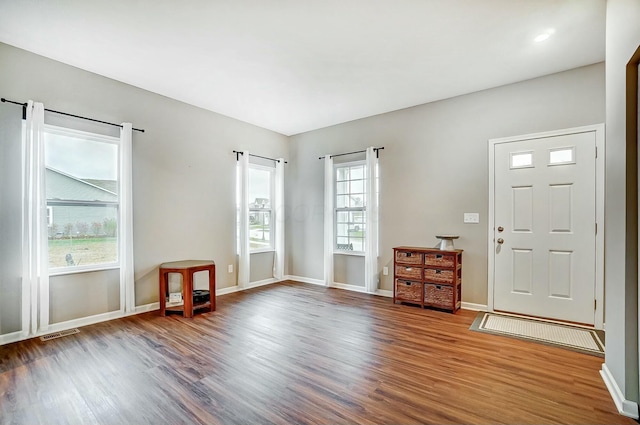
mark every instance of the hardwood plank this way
{"type": "Point", "coordinates": [298, 353]}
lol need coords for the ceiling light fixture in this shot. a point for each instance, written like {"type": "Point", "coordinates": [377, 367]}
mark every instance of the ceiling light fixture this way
{"type": "Point", "coordinates": [544, 35]}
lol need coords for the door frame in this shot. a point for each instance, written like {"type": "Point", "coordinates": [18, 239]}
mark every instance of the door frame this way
{"type": "Point", "coordinates": [632, 144]}
{"type": "Point", "coordinates": [598, 129]}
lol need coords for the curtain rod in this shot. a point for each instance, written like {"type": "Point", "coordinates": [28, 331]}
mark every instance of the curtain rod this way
{"type": "Point", "coordinates": [351, 153]}
{"type": "Point", "coordinates": [238, 153]}
{"type": "Point", "coordinates": [24, 114]}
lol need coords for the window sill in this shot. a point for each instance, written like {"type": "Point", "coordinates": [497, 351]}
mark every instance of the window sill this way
{"type": "Point", "coordinates": [88, 269]}
{"type": "Point", "coordinates": [352, 253]}
{"type": "Point", "coordinates": [262, 251]}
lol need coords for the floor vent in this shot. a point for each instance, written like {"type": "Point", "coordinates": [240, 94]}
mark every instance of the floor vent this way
{"type": "Point", "coordinates": [59, 334]}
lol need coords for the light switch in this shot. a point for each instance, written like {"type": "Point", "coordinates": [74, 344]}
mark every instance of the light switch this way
{"type": "Point", "coordinates": [230, 268]}
{"type": "Point", "coordinates": [472, 218]}
{"type": "Point", "coordinates": [385, 271]}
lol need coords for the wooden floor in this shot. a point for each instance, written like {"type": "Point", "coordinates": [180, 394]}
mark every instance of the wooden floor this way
{"type": "Point", "coordinates": [294, 353]}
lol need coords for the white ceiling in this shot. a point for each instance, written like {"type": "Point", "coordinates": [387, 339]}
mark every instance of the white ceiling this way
{"type": "Point", "coordinates": [297, 65]}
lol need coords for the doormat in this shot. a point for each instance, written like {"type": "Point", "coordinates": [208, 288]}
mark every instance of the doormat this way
{"type": "Point", "coordinates": [574, 338]}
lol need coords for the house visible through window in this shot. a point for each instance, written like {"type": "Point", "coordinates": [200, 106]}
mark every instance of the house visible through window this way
{"type": "Point", "coordinates": [350, 208]}
{"type": "Point", "coordinates": [261, 186]}
{"type": "Point", "coordinates": [49, 217]}
{"type": "Point", "coordinates": [82, 199]}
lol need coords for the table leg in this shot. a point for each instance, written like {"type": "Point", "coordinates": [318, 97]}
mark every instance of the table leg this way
{"type": "Point", "coordinates": [212, 288]}
{"type": "Point", "coordinates": [187, 294]}
{"type": "Point", "coordinates": [163, 293]}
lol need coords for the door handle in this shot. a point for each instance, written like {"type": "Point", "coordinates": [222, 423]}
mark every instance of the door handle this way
{"type": "Point", "coordinates": [500, 229]}
{"type": "Point", "coordinates": [500, 241]}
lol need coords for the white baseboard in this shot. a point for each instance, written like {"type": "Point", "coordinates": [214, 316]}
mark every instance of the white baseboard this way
{"type": "Point", "coordinates": [103, 317]}
{"type": "Point", "coordinates": [384, 293]}
{"type": "Point", "coordinates": [474, 306]}
{"type": "Point", "coordinates": [261, 283]}
{"type": "Point", "coordinates": [11, 337]}
{"type": "Point", "coordinates": [305, 280]}
{"type": "Point", "coordinates": [83, 321]}
{"type": "Point", "coordinates": [345, 286]}
{"type": "Point", "coordinates": [145, 308]}
{"type": "Point", "coordinates": [70, 324]}
{"type": "Point", "coordinates": [223, 291]}
{"type": "Point", "coordinates": [348, 287]}
{"type": "Point", "coordinates": [625, 407]}
{"type": "Point", "coordinates": [227, 290]}
{"type": "Point", "coordinates": [380, 292]}
{"type": "Point", "coordinates": [78, 323]}
{"type": "Point", "coordinates": [236, 288]}
{"type": "Point", "coordinates": [362, 289]}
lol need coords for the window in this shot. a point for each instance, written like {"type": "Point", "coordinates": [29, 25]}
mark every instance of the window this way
{"type": "Point", "coordinates": [82, 199]}
{"type": "Point", "coordinates": [261, 186]}
{"type": "Point", "coordinates": [560, 156]}
{"type": "Point", "coordinates": [350, 208]}
{"type": "Point", "coordinates": [521, 160]}
{"type": "Point", "coordinates": [49, 216]}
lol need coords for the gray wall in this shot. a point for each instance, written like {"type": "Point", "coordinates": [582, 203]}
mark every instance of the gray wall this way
{"type": "Point", "coordinates": [348, 269]}
{"type": "Point", "coordinates": [623, 38]}
{"type": "Point", "coordinates": [262, 266]}
{"type": "Point", "coordinates": [10, 217]}
{"type": "Point", "coordinates": [83, 294]}
{"type": "Point", "coordinates": [183, 176]}
{"type": "Point", "coordinates": [433, 168]}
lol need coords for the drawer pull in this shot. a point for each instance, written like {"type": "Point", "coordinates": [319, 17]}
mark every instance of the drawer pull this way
{"type": "Point", "coordinates": [438, 256]}
{"type": "Point", "coordinates": [408, 269]}
{"type": "Point", "coordinates": [438, 271]}
{"type": "Point", "coordinates": [407, 283]}
{"type": "Point", "coordinates": [438, 287]}
{"type": "Point", "coordinates": [408, 254]}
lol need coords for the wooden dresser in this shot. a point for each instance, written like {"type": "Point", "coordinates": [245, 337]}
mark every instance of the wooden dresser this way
{"type": "Point", "coordinates": [428, 277]}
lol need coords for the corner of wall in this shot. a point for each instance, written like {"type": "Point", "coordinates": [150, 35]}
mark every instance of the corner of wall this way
{"type": "Point", "coordinates": [625, 407]}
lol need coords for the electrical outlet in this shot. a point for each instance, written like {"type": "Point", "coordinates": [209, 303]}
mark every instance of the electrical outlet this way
{"type": "Point", "coordinates": [473, 218]}
{"type": "Point", "coordinates": [230, 268]}
{"type": "Point", "coordinates": [385, 271]}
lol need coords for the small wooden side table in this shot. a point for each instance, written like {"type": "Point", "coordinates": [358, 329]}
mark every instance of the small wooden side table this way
{"type": "Point", "coordinates": [187, 268]}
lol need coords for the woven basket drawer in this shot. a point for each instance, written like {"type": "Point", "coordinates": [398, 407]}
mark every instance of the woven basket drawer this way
{"type": "Point", "coordinates": [408, 257]}
{"type": "Point", "coordinates": [409, 272]}
{"type": "Point", "coordinates": [438, 295]}
{"type": "Point", "coordinates": [408, 290]}
{"type": "Point", "coordinates": [439, 275]}
{"type": "Point", "coordinates": [439, 260]}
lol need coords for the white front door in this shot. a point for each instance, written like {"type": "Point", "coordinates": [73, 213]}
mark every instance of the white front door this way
{"type": "Point", "coordinates": [545, 227]}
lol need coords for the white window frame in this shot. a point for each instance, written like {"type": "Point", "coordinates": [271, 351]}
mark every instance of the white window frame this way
{"type": "Point", "coordinates": [336, 210]}
{"type": "Point", "coordinates": [66, 270]}
{"type": "Point", "coordinates": [272, 222]}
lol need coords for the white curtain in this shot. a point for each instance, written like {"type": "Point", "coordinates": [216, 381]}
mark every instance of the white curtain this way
{"type": "Point", "coordinates": [279, 214]}
{"type": "Point", "coordinates": [242, 193]}
{"type": "Point", "coordinates": [35, 255]}
{"type": "Point", "coordinates": [328, 220]}
{"type": "Point", "coordinates": [371, 223]}
{"type": "Point", "coordinates": [127, 283]}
